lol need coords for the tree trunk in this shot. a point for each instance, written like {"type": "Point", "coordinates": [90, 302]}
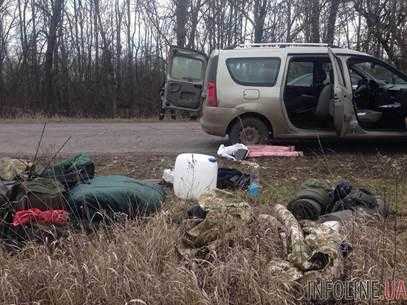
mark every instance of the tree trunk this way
{"type": "Point", "coordinates": [55, 19]}
{"type": "Point", "coordinates": [330, 32]}
{"type": "Point", "coordinates": [288, 34]}
{"type": "Point", "coordinates": [315, 26]}
{"type": "Point", "coordinates": [181, 11]}
{"type": "Point", "coordinates": [260, 11]}
{"type": "Point", "coordinates": [194, 24]}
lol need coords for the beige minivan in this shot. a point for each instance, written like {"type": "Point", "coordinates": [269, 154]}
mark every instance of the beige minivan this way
{"type": "Point", "coordinates": [258, 92]}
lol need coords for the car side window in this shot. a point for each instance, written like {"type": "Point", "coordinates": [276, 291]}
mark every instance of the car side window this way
{"type": "Point", "coordinates": [253, 71]}
{"type": "Point", "coordinates": [300, 73]}
{"type": "Point", "coordinates": [377, 70]}
{"type": "Point", "coordinates": [355, 78]}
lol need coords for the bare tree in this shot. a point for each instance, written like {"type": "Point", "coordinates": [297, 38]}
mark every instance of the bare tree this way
{"type": "Point", "coordinates": [55, 19]}
{"type": "Point", "coordinates": [386, 21]}
{"type": "Point", "coordinates": [330, 31]}
{"type": "Point", "coordinates": [314, 20]}
{"type": "Point", "coordinates": [181, 13]}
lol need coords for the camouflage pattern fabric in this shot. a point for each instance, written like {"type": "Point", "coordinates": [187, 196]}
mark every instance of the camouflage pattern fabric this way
{"type": "Point", "coordinates": [325, 257]}
{"type": "Point", "coordinates": [224, 214]}
{"type": "Point", "coordinates": [313, 248]}
{"type": "Point", "coordinates": [298, 249]}
{"type": "Point", "coordinates": [282, 268]}
{"type": "Point", "coordinates": [324, 243]}
{"type": "Point", "coordinates": [225, 203]}
{"type": "Point", "coordinates": [11, 168]}
{"type": "Point", "coordinates": [318, 250]}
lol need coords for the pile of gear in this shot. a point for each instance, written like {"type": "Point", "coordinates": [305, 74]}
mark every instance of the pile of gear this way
{"type": "Point", "coordinates": [317, 201]}
{"type": "Point", "coordinates": [312, 228]}
{"type": "Point", "coordinates": [33, 196]}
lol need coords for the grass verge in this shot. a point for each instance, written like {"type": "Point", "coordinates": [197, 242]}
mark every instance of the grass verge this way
{"type": "Point", "coordinates": [136, 262]}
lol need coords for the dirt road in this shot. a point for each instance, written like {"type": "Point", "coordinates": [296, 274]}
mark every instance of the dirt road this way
{"type": "Point", "coordinates": [95, 138]}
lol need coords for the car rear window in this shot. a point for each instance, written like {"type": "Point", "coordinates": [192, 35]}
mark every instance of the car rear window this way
{"type": "Point", "coordinates": [254, 71]}
{"type": "Point", "coordinates": [187, 68]}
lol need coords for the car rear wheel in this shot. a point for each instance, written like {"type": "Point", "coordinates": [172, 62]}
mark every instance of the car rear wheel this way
{"type": "Point", "coordinates": [249, 131]}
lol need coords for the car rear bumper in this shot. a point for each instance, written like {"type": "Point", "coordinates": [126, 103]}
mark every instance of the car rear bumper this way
{"type": "Point", "coordinates": [215, 120]}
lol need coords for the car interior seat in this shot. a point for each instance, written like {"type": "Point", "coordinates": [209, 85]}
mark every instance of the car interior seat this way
{"type": "Point", "coordinates": [322, 109]}
{"type": "Point", "coordinates": [369, 116]}
{"type": "Point", "coordinates": [362, 101]}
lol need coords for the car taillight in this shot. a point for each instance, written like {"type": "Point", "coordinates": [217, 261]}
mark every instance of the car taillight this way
{"type": "Point", "coordinates": [211, 97]}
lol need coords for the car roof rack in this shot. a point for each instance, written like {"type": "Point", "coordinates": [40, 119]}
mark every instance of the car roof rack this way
{"type": "Point", "coordinates": [281, 45]}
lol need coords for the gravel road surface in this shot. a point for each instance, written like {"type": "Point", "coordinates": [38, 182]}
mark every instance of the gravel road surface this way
{"type": "Point", "coordinates": [106, 138]}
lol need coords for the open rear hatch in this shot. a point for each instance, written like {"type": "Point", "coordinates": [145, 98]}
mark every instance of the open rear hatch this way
{"type": "Point", "coordinates": [185, 78]}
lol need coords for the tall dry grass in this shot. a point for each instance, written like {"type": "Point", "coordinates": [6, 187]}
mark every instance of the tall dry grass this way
{"type": "Point", "coordinates": [137, 263]}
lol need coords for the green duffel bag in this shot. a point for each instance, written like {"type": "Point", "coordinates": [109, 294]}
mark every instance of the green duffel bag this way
{"type": "Point", "coordinates": [105, 196]}
{"type": "Point", "coordinates": [70, 172]}
{"type": "Point", "coordinates": [40, 193]}
{"type": "Point", "coordinates": [316, 190]}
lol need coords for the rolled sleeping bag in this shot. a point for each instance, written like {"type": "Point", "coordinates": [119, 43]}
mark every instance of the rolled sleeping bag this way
{"type": "Point", "coordinates": [310, 203]}
{"type": "Point", "coordinates": [321, 196]}
{"type": "Point", "coordinates": [304, 208]}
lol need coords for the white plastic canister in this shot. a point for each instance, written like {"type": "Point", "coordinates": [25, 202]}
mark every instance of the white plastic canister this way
{"type": "Point", "coordinates": [194, 175]}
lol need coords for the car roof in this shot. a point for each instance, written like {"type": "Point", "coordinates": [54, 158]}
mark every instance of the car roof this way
{"type": "Point", "coordinates": [267, 51]}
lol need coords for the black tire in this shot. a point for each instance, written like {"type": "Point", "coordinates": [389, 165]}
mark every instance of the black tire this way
{"type": "Point", "coordinates": [161, 116]}
{"type": "Point", "coordinates": [249, 131]}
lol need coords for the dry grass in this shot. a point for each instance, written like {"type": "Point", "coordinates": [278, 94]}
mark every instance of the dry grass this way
{"type": "Point", "coordinates": [137, 262]}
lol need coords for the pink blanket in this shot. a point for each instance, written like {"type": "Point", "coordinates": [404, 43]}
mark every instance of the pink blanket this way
{"type": "Point", "coordinates": [273, 151]}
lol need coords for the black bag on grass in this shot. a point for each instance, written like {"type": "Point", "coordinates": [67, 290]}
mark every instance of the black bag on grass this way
{"type": "Point", "coordinates": [229, 178]}
{"type": "Point", "coordinates": [358, 198]}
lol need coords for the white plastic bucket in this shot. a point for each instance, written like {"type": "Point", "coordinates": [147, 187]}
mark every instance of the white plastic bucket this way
{"type": "Point", "coordinates": [194, 175]}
